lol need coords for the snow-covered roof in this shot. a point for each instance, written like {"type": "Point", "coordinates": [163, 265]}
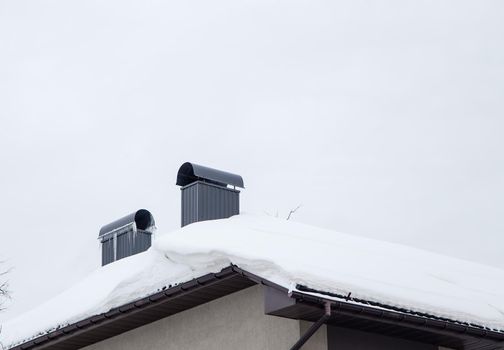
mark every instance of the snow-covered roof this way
{"type": "Point", "coordinates": [288, 254]}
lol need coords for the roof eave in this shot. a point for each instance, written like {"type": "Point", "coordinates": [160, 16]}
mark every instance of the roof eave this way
{"type": "Point", "coordinates": [186, 295]}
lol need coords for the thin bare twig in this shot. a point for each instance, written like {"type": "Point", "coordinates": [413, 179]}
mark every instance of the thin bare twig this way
{"type": "Point", "coordinates": [293, 211]}
{"type": "Point", "coordinates": [4, 288]}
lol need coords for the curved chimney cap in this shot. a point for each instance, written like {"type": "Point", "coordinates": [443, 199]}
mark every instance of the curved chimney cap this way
{"type": "Point", "coordinates": [142, 217]}
{"type": "Point", "coordinates": [190, 172]}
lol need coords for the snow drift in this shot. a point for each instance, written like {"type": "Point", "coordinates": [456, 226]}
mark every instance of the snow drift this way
{"type": "Point", "coordinates": [288, 254]}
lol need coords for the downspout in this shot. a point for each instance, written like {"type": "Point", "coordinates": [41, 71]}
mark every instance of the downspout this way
{"type": "Point", "coordinates": [314, 327]}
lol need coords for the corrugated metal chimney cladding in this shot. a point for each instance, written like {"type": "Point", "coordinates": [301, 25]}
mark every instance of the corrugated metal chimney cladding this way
{"type": "Point", "coordinates": [206, 195]}
{"type": "Point", "coordinates": [127, 236]}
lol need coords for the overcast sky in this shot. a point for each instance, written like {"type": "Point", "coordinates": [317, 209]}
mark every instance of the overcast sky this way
{"type": "Point", "coordinates": [382, 118]}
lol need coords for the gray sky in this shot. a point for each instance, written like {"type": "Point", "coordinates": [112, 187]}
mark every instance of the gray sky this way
{"type": "Point", "coordinates": [383, 118]}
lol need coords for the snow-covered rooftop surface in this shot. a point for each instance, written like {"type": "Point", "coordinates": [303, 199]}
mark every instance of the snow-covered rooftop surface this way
{"type": "Point", "coordinates": [288, 254]}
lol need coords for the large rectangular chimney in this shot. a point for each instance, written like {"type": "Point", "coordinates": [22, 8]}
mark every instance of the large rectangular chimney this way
{"type": "Point", "coordinates": [206, 193]}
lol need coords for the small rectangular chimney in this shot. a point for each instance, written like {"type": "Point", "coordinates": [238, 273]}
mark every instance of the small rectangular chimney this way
{"type": "Point", "coordinates": [206, 195]}
{"type": "Point", "coordinates": [127, 236]}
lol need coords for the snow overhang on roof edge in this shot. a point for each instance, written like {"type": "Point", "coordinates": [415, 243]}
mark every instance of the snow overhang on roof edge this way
{"type": "Point", "coordinates": [340, 304]}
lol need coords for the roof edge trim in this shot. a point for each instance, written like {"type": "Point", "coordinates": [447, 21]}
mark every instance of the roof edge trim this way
{"type": "Point", "coordinates": [353, 308]}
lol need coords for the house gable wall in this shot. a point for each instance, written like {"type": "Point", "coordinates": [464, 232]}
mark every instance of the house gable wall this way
{"type": "Point", "coordinates": [236, 321]}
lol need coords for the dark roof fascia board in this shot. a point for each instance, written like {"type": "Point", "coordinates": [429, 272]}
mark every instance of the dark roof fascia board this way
{"type": "Point", "coordinates": [356, 309]}
{"type": "Point", "coordinates": [391, 317]}
{"type": "Point", "coordinates": [64, 333]}
{"type": "Point", "coordinates": [374, 305]}
{"type": "Point", "coordinates": [397, 318]}
{"type": "Point", "coordinates": [362, 311]}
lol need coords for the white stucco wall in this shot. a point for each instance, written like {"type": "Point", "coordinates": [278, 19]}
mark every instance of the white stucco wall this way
{"type": "Point", "coordinates": [318, 341]}
{"type": "Point", "coordinates": [236, 321]}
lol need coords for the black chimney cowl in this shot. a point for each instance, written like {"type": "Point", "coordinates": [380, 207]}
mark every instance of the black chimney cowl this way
{"type": "Point", "coordinates": [190, 172]}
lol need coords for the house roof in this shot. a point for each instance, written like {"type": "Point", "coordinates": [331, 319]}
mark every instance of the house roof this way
{"type": "Point", "coordinates": [303, 306]}
{"type": "Point", "coordinates": [360, 276]}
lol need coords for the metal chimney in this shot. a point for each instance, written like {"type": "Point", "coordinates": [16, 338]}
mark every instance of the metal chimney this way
{"type": "Point", "coordinates": [207, 193]}
{"type": "Point", "coordinates": [127, 236]}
